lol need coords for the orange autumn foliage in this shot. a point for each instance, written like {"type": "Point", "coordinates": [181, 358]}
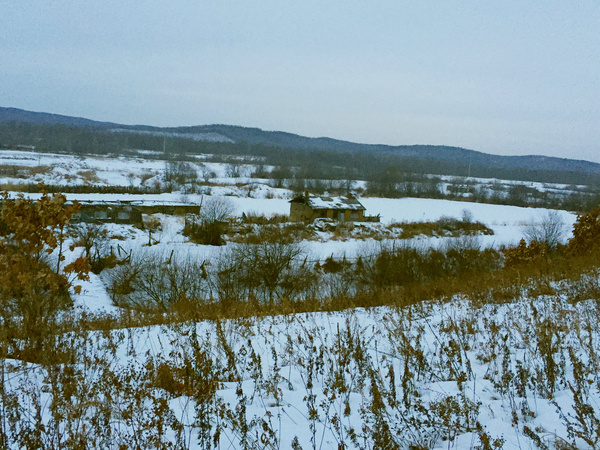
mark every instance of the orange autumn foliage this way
{"type": "Point", "coordinates": [30, 231]}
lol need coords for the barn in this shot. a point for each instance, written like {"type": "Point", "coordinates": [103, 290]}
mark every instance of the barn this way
{"type": "Point", "coordinates": [307, 207]}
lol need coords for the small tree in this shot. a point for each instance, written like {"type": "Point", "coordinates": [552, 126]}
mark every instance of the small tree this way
{"type": "Point", "coordinates": [267, 270]}
{"type": "Point", "coordinates": [206, 173]}
{"type": "Point", "coordinates": [152, 225]}
{"type": "Point", "coordinates": [216, 209]}
{"type": "Point", "coordinates": [550, 230]}
{"type": "Point", "coordinates": [91, 236]}
{"type": "Point", "coordinates": [209, 226]}
{"type": "Point", "coordinates": [586, 233]}
{"type": "Point", "coordinates": [32, 287]}
{"type": "Point", "coordinates": [233, 170]}
{"type": "Point", "coordinates": [180, 173]}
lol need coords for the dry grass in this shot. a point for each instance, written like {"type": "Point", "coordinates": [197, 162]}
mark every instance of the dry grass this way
{"type": "Point", "coordinates": [285, 233]}
{"type": "Point", "coordinates": [15, 171]}
{"type": "Point", "coordinates": [445, 227]}
{"type": "Point", "coordinates": [89, 176]}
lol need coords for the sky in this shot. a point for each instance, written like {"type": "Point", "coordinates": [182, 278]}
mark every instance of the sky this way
{"type": "Point", "coordinates": [508, 77]}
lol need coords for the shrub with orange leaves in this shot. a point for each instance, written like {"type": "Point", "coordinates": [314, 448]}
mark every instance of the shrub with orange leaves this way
{"type": "Point", "coordinates": [525, 254]}
{"type": "Point", "coordinates": [586, 233]}
{"type": "Point", "coordinates": [33, 287]}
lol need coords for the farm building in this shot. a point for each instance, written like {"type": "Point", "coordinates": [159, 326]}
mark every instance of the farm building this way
{"type": "Point", "coordinates": [129, 211]}
{"type": "Point", "coordinates": [306, 208]}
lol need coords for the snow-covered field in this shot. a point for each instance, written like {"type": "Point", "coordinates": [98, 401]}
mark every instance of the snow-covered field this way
{"type": "Point", "coordinates": [458, 374]}
{"type": "Point", "coordinates": [65, 169]}
{"type": "Point", "coordinates": [436, 375]}
{"type": "Point", "coordinates": [507, 222]}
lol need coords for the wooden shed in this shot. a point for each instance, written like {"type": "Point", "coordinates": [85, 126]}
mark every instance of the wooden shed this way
{"type": "Point", "coordinates": [306, 208]}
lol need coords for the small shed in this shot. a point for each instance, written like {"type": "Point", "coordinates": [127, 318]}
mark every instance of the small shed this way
{"type": "Point", "coordinates": [306, 208]}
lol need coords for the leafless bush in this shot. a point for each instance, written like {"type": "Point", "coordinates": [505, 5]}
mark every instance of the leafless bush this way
{"type": "Point", "coordinates": [151, 284]}
{"type": "Point", "coordinates": [550, 230]}
{"type": "Point", "coordinates": [94, 240]}
{"type": "Point", "coordinates": [262, 219]}
{"type": "Point", "coordinates": [208, 227]}
{"type": "Point", "coordinates": [152, 226]}
{"type": "Point", "coordinates": [206, 174]}
{"type": "Point", "coordinates": [233, 170]}
{"type": "Point", "coordinates": [266, 271]}
{"type": "Point", "coordinates": [180, 172]}
{"type": "Point", "coordinates": [92, 237]}
{"type": "Point", "coordinates": [216, 209]}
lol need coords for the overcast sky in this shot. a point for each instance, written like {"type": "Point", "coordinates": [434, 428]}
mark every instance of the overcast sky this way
{"type": "Point", "coordinates": [510, 77]}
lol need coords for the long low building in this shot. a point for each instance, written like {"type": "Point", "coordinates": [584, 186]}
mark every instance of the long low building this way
{"type": "Point", "coordinates": [129, 211]}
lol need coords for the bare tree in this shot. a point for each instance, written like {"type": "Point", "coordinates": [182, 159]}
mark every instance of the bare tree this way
{"type": "Point", "coordinates": [180, 173]}
{"type": "Point", "coordinates": [550, 230]}
{"type": "Point", "coordinates": [156, 284]}
{"type": "Point", "coordinates": [233, 170]}
{"type": "Point", "coordinates": [92, 237]}
{"type": "Point", "coordinates": [152, 225]}
{"type": "Point", "coordinates": [209, 226]}
{"type": "Point", "coordinates": [266, 271]}
{"type": "Point", "coordinates": [216, 209]}
{"type": "Point", "coordinates": [206, 173]}
{"type": "Point", "coordinates": [94, 240]}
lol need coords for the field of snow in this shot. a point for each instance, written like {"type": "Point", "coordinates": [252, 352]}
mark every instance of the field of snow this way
{"type": "Point", "coordinates": [138, 171]}
{"type": "Point", "coordinates": [434, 376]}
{"type": "Point", "coordinates": [460, 374]}
{"type": "Point", "coordinates": [507, 222]}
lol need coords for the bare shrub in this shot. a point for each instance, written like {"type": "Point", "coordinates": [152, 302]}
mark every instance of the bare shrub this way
{"type": "Point", "coordinates": [209, 226]}
{"type": "Point", "coordinates": [206, 174]}
{"type": "Point", "coordinates": [216, 208]}
{"type": "Point", "coordinates": [94, 240]}
{"type": "Point", "coordinates": [90, 236]}
{"type": "Point", "coordinates": [265, 271]}
{"type": "Point", "coordinates": [151, 284]}
{"type": "Point", "coordinates": [152, 226]}
{"type": "Point", "coordinates": [288, 233]}
{"type": "Point", "coordinates": [180, 172]}
{"type": "Point", "coordinates": [550, 230]}
{"type": "Point", "coordinates": [89, 176]}
{"type": "Point", "coordinates": [262, 219]}
{"type": "Point", "coordinates": [233, 170]}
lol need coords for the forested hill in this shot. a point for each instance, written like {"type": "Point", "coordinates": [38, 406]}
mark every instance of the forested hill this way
{"type": "Point", "coordinates": [256, 136]}
{"type": "Point", "coordinates": [42, 118]}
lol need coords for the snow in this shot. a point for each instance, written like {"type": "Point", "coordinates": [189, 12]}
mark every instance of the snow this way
{"type": "Point", "coordinates": [277, 391]}
{"type": "Point", "coordinates": [94, 296]}
{"type": "Point", "coordinates": [327, 202]}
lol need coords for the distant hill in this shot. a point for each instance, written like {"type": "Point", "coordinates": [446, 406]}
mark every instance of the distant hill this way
{"type": "Point", "coordinates": [256, 136]}
{"type": "Point", "coordinates": [42, 118]}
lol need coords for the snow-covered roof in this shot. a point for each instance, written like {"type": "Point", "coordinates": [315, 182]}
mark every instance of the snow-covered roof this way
{"type": "Point", "coordinates": [326, 202]}
{"type": "Point", "coordinates": [133, 203]}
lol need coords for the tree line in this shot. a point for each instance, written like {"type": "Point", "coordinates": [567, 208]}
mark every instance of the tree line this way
{"type": "Point", "coordinates": [304, 163]}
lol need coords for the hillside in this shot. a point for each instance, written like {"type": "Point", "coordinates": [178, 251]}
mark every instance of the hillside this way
{"type": "Point", "coordinates": [256, 136]}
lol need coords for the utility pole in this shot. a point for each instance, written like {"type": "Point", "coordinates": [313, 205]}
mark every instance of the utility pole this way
{"type": "Point", "coordinates": [469, 172]}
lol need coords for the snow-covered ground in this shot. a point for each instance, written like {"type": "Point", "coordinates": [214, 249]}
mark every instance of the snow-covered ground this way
{"type": "Point", "coordinates": [255, 196]}
{"type": "Point", "coordinates": [436, 375]}
{"type": "Point", "coordinates": [438, 369]}
{"type": "Point", "coordinates": [507, 222]}
{"type": "Point", "coordinates": [138, 171]}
